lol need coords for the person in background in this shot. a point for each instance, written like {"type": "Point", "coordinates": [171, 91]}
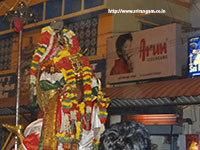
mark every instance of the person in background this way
{"type": "Point", "coordinates": [123, 50]}
{"type": "Point", "coordinates": [125, 136]}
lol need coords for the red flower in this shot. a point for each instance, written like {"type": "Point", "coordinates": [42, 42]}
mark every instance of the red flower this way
{"type": "Point", "coordinates": [87, 87]}
{"type": "Point", "coordinates": [78, 115]}
{"type": "Point", "coordinates": [94, 140]}
{"type": "Point", "coordinates": [85, 62]}
{"type": "Point", "coordinates": [73, 51]}
{"type": "Point", "coordinates": [64, 63]}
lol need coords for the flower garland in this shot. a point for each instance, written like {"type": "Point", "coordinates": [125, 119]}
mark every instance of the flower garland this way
{"type": "Point", "coordinates": [87, 81]}
{"type": "Point", "coordinates": [95, 144]}
{"type": "Point", "coordinates": [47, 36]}
{"type": "Point", "coordinates": [103, 104]}
{"type": "Point", "coordinates": [78, 114]}
{"type": "Point", "coordinates": [69, 102]}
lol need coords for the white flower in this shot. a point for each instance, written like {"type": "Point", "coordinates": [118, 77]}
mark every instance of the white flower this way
{"type": "Point", "coordinates": [68, 35]}
{"type": "Point", "coordinates": [88, 109]}
{"type": "Point", "coordinates": [73, 114]}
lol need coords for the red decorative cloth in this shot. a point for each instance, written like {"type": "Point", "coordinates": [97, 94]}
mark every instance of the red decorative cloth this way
{"type": "Point", "coordinates": [31, 142]}
{"type": "Point", "coordinates": [18, 24]}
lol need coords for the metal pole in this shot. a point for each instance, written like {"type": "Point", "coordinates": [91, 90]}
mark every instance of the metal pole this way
{"type": "Point", "coordinates": [18, 86]}
{"type": "Point", "coordinates": [172, 139]}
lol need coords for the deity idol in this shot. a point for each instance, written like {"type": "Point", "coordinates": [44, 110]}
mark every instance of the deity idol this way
{"type": "Point", "coordinates": [67, 92]}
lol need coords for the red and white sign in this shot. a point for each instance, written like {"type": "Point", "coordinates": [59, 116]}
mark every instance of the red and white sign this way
{"type": "Point", "coordinates": [146, 54]}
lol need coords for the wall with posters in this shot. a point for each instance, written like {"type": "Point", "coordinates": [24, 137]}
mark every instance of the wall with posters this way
{"type": "Point", "coordinates": [150, 53]}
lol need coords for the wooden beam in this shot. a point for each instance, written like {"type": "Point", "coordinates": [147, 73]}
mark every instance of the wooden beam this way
{"type": "Point", "coordinates": [63, 8]}
{"type": "Point", "coordinates": [44, 11]}
{"type": "Point", "coordinates": [82, 5]}
{"type": "Point", "coordinates": [181, 3]}
{"type": "Point", "coordinates": [13, 116]}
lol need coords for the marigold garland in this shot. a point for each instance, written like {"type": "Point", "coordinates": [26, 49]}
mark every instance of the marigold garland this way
{"type": "Point", "coordinates": [70, 102]}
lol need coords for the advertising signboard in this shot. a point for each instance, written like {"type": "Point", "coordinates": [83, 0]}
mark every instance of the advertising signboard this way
{"type": "Point", "coordinates": [145, 54]}
{"type": "Point", "coordinates": [194, 56]}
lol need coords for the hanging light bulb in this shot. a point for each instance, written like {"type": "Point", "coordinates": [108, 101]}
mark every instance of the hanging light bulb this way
{"type": "Point", "coordinates": [22, 4]}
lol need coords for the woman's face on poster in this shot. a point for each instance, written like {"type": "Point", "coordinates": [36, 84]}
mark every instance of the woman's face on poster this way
{"type": "Point", "coordinates": [126, 50]}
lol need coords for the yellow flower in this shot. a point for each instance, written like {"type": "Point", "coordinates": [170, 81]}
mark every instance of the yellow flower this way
{"type": "Point", "coordinates": [78, 129]}
{"type": "Point", "coordinates": [65, 30]}
{"type": "Point", "coordinates": [99, 97]}
{"type": "Point", "coordinates": [86, 68]}
{"type": "Point", "coordinates": [70, 70]}
{"type": "Point", "coordinates": [72, 136]}
{"type": "Point", "coordinates": [47, 29]}
{"type": "Point", "coordinates": [102, 113]}
{"type": "Point", "coordinates": [88, 99]}
{"type": "Point", "coordinates": [67, 95]}
{"type": "Point", "coordinates": [72, 95]}
{"type": "Point", "coordinates": [97, 142]}
{"type": "Point", "coordinates": [74, 101]}
{"type": "Point", "coordinates": [81, 107]}
{"type": "Point", "coordinates": [87, 77]}
{"type": "Point", "coordinates": [61, 134]}
{"type": "Point", "coordinates": [70, 76]}
{"type": "Point", "coordinates": [107, 104]}
{"type": "Point", "coordinates": [41, 49]}
{"type": "Point", "coordinates": [61, 54]}
{"type": "Point", "coordinates": [67, 104]}
{"type": "Point", "coordinates": [70, 34]}
{"type": "Point", "coordinates": [35, 62]}
{"type": "Point", "coordinates": [103, 104]}
{"type": "Point", "coordinates": [87, 92]}
{"type": "Point", "coordinates": [89, 83]}
{"type": "Point", "coordinates": [65, 72]}
{"type": "Point", "coordinates": [33, 68]}
{"type": "Point", "coordinates": [100, 93]}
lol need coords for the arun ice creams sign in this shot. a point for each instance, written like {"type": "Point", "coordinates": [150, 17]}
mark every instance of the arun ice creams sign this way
{"type": "Point", "coordinates": [145, 54]}
{"type": "Point", "coordinates": [157, 51]}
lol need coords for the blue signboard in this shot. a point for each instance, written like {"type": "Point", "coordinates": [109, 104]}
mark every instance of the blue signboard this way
{"type": "Point", "coordinates": [194, 56]}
